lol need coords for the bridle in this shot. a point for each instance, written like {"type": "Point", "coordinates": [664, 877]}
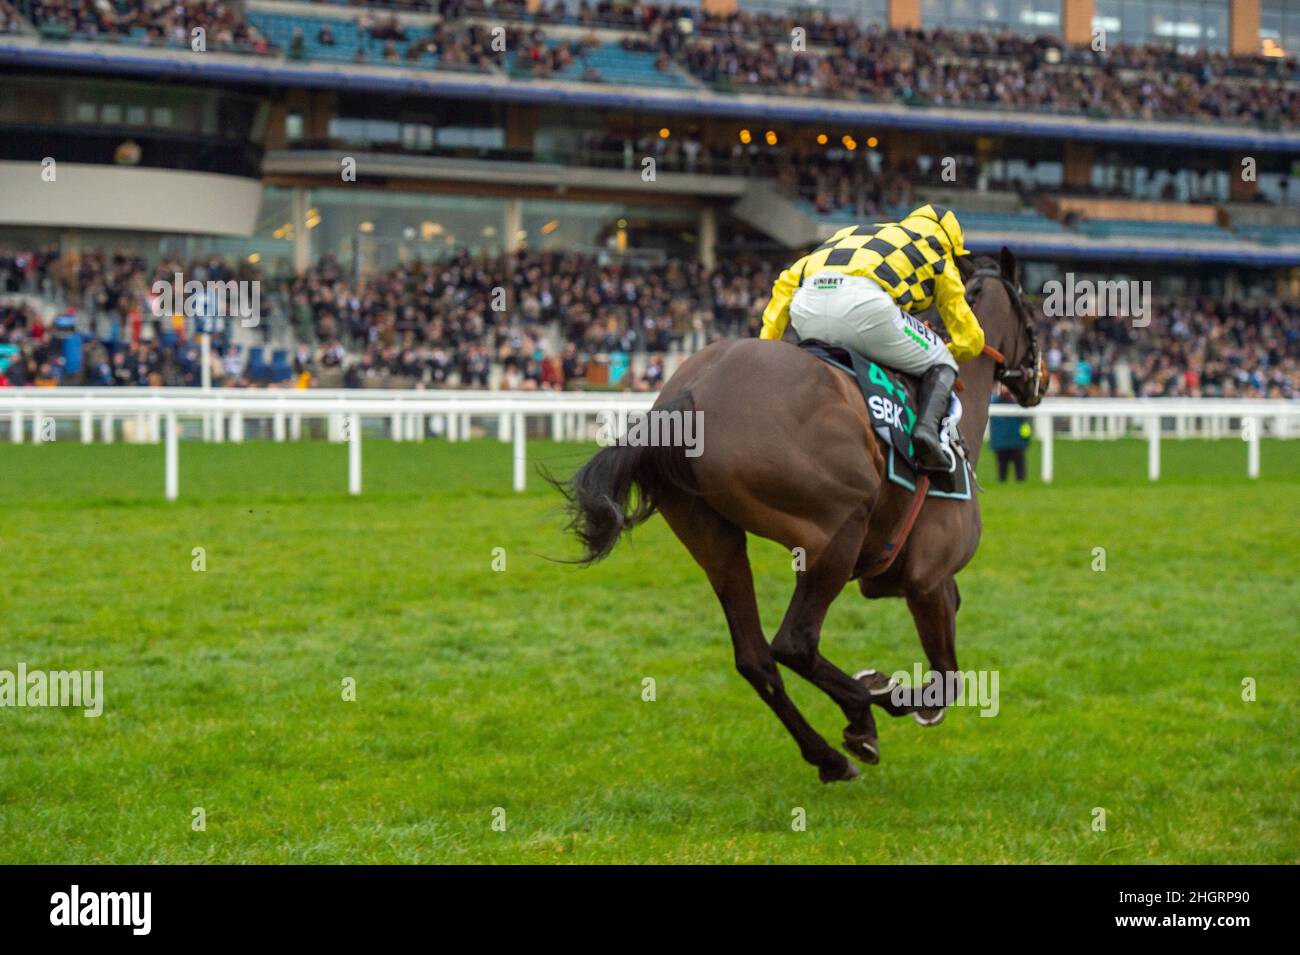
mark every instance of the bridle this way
{"type": "Point", "coordinates": [1032, 370]}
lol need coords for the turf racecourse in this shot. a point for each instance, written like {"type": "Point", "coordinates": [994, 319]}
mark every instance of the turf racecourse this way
{"type": "Point", "coordinates": [522, 690]}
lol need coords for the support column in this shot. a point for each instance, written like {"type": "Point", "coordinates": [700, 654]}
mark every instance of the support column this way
{"type": "Point", "coordinates": [902, 153]}
{"type": "Point", "coordinates": [1241, 189]}
{"type": "Point", "coordinates": [1243, 27]}
{"type": "Point", "coordinates": [521, 124]}
{"type": "Point", "coordinates": [1076, 21]}
{"type": "Point", "coordinates": [905, 15]}
{"type": "Point", "coordinates": [708, 244]}
{"type": "Point", "coordinates": [512, 224]}
{"type": "Point", "coordinates": [299, 203]}
{"type": "Point", "coordinates": [1077, 164]}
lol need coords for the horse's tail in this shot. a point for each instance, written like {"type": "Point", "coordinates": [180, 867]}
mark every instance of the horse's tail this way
{"type": "Point", "coordinates": [622, 486]}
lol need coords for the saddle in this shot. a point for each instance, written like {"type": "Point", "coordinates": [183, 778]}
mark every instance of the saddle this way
{"type": "Point", "coordinates": [890, 396]}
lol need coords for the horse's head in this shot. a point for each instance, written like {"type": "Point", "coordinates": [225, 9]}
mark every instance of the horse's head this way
{"type": "Point", "coordinates": [993, 291]}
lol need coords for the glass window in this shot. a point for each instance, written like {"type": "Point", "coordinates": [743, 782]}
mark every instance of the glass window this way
{"type": "Point", "coordinates": [1189, 25]}
{"type": "Point", "coordinates": [864, 11]}
{"type": "Point", "coordinates": [471, 137]}
{"type": "Point", "coordinates": [365, 132]}
{"type": "Point", "coordinates": [1036, 16]}
{"type": "Point", "coordinates": [385, 228]}
{"type": "Point", "coordinates": [1029, 17]}
{"type": "Point", "coordinates": [417, 137]}
{"type": "Point", "coordinates": [1279, 27]}
{"type": "Point", "coordinates": [594, 226]}
{"type": "Point", "coordinates": [293, 127]}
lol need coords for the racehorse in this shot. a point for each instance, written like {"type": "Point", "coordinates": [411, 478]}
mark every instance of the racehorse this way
{"type": "Point", "coordinates": [791, 456]}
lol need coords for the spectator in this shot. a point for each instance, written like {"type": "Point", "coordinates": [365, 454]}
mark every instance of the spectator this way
{"type": "Point", "coordinates": [1009, 438]}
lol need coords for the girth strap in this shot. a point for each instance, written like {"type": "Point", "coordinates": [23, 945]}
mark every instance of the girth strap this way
{"type": "Point", "coordinates": [886, 557]}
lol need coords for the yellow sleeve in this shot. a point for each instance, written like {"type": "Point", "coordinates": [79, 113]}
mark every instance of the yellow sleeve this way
{"type": "Point", "coordinates": [963, 327]}
{"type": "Point", "coordinates": [777, 314]}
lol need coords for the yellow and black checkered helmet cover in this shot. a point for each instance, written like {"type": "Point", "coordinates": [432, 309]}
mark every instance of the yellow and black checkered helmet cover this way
{"type": "Point", "coordinates": [949, 227]}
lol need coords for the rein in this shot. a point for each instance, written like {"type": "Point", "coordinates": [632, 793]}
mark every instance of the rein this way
{"type": "Point", "coordinates": [1030, 371]}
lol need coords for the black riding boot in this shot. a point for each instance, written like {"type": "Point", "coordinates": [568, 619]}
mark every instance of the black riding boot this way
{"type": "Point", "coordinates": [932, 405]}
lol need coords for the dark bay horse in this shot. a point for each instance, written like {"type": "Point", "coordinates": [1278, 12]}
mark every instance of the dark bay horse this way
{"type": "Point", "coordinates": [790, 455]}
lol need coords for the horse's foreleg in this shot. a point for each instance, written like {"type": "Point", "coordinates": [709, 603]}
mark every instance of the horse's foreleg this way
{"type": "Point", "coordinates": [718, 546]}
{"type": "Point", "coordinates": [797, 642]}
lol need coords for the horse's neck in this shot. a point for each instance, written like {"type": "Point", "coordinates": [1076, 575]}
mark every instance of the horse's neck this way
{"type": "Point", "coordinates": [977, 380]}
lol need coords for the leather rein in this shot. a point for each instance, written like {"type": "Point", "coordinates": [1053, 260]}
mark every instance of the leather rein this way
{"type": "Point", "coordinates": [1031, 371]}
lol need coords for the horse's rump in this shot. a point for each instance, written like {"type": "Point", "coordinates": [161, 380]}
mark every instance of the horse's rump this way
{"type": "Point", "coordinates": [788, 449]}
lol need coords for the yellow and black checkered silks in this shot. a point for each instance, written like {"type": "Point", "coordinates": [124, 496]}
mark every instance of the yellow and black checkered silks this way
{"type": "Point", "coordinates": [912, 260]}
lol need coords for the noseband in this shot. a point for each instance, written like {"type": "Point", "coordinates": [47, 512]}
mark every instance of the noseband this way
{"type": "Point", "coordinates": [1031, 370]}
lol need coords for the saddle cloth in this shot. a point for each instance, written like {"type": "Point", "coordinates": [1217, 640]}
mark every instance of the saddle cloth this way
{"type": "Point", "coordinates": [891, 404]}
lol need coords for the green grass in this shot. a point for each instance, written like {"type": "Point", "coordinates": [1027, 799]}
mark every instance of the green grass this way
{"type": "Point", "coordinates": [522, 689]}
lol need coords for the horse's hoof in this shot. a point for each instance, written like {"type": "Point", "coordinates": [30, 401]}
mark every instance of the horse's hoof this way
{"type": "Point", "coordinates": [864, 748]}
{"type": "Point", "coordinates": [835, 774]}
{"type": "Point", "coordinates": [877, 683]}
{"type": "Point", "coordinates": [929, 716]}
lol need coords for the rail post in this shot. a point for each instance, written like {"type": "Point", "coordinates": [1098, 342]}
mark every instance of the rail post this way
{"type": "Point", "coordinates": [1047, 435]}
{"type": "Point", "coordinates": [520, 430]}
{"type": "Point", "coordinates": [1153, 447]}
{"type": "Point", "coordinates": [171, 467]}
{"type": "Point", "coordinates": [354, 453]}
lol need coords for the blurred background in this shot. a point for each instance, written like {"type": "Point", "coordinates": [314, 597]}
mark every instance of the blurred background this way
{"type": "Point", "coordinates": [632, 176]}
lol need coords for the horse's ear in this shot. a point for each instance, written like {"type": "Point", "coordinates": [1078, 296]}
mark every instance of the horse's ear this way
{"type": "Point", "coordinates": [1008, 263]}
{"type": "Point", "coordinates": [965, 266]}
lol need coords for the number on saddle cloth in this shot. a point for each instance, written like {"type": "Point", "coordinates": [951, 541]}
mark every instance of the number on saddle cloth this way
{"type": "Point", "coordinates": [891, 404]}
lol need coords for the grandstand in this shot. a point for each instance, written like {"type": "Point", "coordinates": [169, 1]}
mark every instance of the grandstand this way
{"type": "Point", "coordinates": [631, 176]}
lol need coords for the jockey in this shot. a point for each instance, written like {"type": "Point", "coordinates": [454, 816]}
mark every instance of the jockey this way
{"type": "Point", "coordinates": [856, 290]}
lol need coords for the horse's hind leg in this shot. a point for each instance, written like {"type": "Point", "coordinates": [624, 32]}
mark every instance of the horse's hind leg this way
{"type": "Point", "coordinates": [796, 643]}
{"type": "Point", "coordinates": [718, 546]}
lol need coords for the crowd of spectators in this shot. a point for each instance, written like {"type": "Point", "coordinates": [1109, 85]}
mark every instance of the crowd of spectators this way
{"type": "Point", "coordinates": [10, 21]}
{"type": "Point", "coordinates": [223, 23]}
{"type": "Point", "coordinates": [839, 58]}
{"type": "Point", "coordinates": [540, 320]}
{"type": "Point", "coordinates": [948, 68]}
{"type": "Point", "coordinates": [459, 317]}
{"type": "Point", "coordinates": [1193, 347]}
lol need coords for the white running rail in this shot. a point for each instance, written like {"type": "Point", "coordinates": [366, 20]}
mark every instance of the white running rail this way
{"type": "Point", "coordinates": [149, 415]}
